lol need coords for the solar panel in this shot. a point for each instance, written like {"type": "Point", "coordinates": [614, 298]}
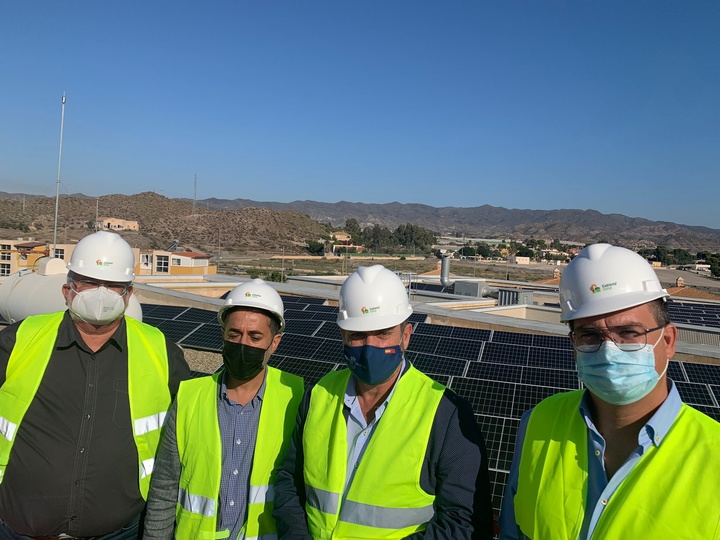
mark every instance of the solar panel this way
{"type": "Point", "coordinates": [318, 316]}
{"type": "Point", "coordinates": [676, 372]}
{"type": "Point", "coordinates": [695, 393]}
{"type": "Point", "coordinates": [298, 346]}
{"type": "Point", "coordinates": [417, 318]}
{"type": "Point", "coordinates": [551, 358]}
{"type": "Point", "coordinates": [301, 327]}
{"type": "Point", "coordinates": [702, 373]}
{"type": "Point", "coordinates": [310, 370]}
{"type": "Point", "coordinates": [486, 397]}
{"type": "Point", "coordinates": [712, 412]}
{"type": "Point", "coordinates": [329, 330]}
{"type": "Point", "coordinates": [164, 312]}
{"type": "Point", "coordinates": [330, 351]}
{"type": "Point", "coordinates": [498, 480]}
{"type": "Point", "coordinates": [475, 334]}
{"type": "Point", "coordinates": [297, 314]}
{"type": "Point", "coordinates": [198, 315]}
{"type": "Point", "coordinates": [428, 363]}
{"type": "Point", "coordinates": [442, 379]}
{"type": "Point", "coordinates": [206, 336]}
{"type": "Point", "coordinates": [152, 321]}
{"type": "Point", "coordinates": [502, 353]}
{"type": "Point", "coordinates": [494, 372]}
{"type": "Point", "coordinates": [507, 443]}
{"type": "Point", "coordinates": [511, 337]}
{"type": "Point", "coordinates": [432, 329]}
{"type": "Point", "coordinates": [552, 342]}
{"type": "Point", "coordinates": [716, 392]}
{"type": "Point", "coordinates": [491, 428]}
{"type": "Point", "coordinates": [459, 348]}
{"type": "Point", "coordinates": [554, 378]}
{"type": "Point", "coordinates": [177, 330]}
{"type": "Point", "coordinates": [526, 397]}
{"type": "Point", "coordinates": [423, 344]}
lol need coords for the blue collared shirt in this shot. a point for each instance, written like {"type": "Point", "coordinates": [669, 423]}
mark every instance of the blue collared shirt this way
{"type": "Point", "coordinates": [359, 431]}
{"type": "Point", "coordinates": [238, 433]}
{"type": "Point", "coordinates": [600, 490]}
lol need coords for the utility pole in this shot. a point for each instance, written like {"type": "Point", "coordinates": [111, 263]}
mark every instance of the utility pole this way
{"type": "Point", "coordinates": [57, 191]}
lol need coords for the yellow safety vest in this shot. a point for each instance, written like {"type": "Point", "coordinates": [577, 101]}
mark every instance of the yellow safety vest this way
{"type": "Point", "coordinates": [671, 492]}
{"type": "Point", "coordinates": [200, 451]}
{"type": "Point", "coordinates": [385, 499]}
{"type": "Point", "coordinates": [147, 385]}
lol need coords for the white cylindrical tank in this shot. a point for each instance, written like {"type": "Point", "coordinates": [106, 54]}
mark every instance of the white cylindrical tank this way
{"type": "Point", "coordinates": [28, 293]}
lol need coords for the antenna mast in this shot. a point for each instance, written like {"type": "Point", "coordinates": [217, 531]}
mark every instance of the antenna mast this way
{"type": "Point", "coordinates": [57, 191]}
{"type": "Point", "coordinates": [194, 195]}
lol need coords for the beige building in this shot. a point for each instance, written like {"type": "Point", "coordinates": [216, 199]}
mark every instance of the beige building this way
{"type": "Point", "coordinates": [16, 255]}
{"type": "Point", "coordinates": [172, 263]}
{"type": "Point", "coordinates": [114, 224]}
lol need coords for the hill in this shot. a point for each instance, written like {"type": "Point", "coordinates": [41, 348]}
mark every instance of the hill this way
{"type": "Point", "coordinates": [161, 220]}
{"type": "Point", "coordinates": [245, 226]}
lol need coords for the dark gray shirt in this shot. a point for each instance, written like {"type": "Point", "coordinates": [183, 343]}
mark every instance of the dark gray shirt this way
{"type": "Point", "coordinates": [74, 466]}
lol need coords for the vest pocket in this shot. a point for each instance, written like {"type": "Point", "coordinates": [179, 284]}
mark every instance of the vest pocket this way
{"type": "Point", "coordinates": [121, 411]}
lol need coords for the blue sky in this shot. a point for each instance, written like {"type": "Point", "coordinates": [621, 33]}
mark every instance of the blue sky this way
{"type": "Point", "coordinates": [611, 105]}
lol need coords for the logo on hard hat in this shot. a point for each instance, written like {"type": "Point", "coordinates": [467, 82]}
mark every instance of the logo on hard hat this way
{"type": "Point", "coordinates": [100, 262]}
{"type": "Point", "coordinates": [251, 295]}
{"type": "Point", "coordinates": [367, 311]}
{"type": "Point", "coordinates": [604, 287]}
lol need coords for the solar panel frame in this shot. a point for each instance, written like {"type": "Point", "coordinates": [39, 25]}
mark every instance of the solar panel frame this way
{"type": "Point", "coordinates": [551, 358]}
{"type": "Point", "coordinates": [491, 371]}
{"type": "Point", "coordinates": [511, 338]}
{"type": "Point", "coordinates": [553, 378]}
{"type": "Point", "coordinates": [695, 393]}
{"type": "Point", "coordinates": [430, 363]}
{"type": "Point", "coordinates": [175, 331]}
{"type": "Point", "coordinates": [206, 336]}
{"type": "Point", "coordinates": [702, 373]}
{"type": "Point", "coordinates": [459, 348]}
{"type": "Point", "coordinates": [500, 353]}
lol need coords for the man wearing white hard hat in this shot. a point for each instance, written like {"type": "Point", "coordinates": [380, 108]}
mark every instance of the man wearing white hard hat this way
{"type": "Point", "coordinates": [226, 433]}
{"type": "Point", "coordinates": [83, 396]}
{"type": "Point", "coordinates": [380, 450]}
{"type": "Point", "coordinates": [625, 458]}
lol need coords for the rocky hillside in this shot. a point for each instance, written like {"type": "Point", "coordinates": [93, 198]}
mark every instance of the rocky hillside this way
{"type": "Point", "coordinates": [161, 221]}
{"type": "Point", "coordinates": [244, 226]}
{"type": "Point", "coordinates": [496, 222]}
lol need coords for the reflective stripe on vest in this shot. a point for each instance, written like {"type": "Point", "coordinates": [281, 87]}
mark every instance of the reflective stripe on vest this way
{"type": "Point", "coordinates": [196, 504]}
{"type": "Point", "coordinates": [671, 492]}
{"type": "Point", "coordinates": [148, 391]}
{"type": "Point", "coordinates": [384, 500]}
{"type": "Point", "coordinates": [199, 448]}
{"type": "Point", "coordinates": [149, 423]}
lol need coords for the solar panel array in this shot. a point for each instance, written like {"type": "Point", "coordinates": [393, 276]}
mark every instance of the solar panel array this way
{"type": "Point", "coordinates": [697, 314]}
{"type": "Point", "coordinates": [502, 374]}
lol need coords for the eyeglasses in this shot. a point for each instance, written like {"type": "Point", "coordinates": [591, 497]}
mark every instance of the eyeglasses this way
{"type": "Point", "coordinates": [79, 285]}
{"type": "Point", "coordinates": [627, 338]}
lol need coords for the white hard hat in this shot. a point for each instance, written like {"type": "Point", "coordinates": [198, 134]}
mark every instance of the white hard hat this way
{"type": "Point", "coordinates": [372, 298]}
{"type": "Point", "coordinates": [255, 294]}
{"type": "Point", "coordinates": [603, 279]}
{"type": "Point", "coordinates": [105, 256]}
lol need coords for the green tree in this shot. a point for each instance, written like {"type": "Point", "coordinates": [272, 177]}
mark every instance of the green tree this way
{"type": "Point", "coordinates": [315, 247]}
{"type": "Point", "coordinates": [467, 251]}
{"type": "Point", "coordinates": [352, 227]}
{"type": "Point", "coordinates": [483, 249]}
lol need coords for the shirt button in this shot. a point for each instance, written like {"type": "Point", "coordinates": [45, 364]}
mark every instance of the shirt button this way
{"type": "Point", "coordinates": [597, 453]}
{"type": "Point", "coordinates": [235, 471]}
{"type": "Point", "coordinates": [73, 518]}
{"type": "Point", "coordinates": [82, 450]}
{"type": "Point", "coordinates": [77, 482]}
{"type": "Point", "coordinates": [91, 385]}
{"type": "Point", "coordinates": [87, 417]}
{"type": "Point", "coordinates": [604, 502]}
{"type": "Point", "coordinates": [232, 503]}
{"type": "Point", "coordinates": [237, 441]}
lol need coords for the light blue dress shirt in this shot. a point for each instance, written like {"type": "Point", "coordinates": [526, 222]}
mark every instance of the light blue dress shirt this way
{"type": "Point", "coordinates": [359, 431]}
{"type": "Point", "coordinates": [600, 490]}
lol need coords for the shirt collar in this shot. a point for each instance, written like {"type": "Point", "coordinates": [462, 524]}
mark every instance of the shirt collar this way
{"type": "Point", "coordinates": [659, 423]}
{"type": "Point", "coordinates": [223, 387]}
{"type": "Point", "coordinates": [69, 335]}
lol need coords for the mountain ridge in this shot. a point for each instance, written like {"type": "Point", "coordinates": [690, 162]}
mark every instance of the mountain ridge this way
{"type": "Point", "coordinates": [165, 217]}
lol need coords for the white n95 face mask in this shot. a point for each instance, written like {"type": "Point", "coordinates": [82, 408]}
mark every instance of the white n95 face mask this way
{"type": "Point", "coordinates": [98, 306]}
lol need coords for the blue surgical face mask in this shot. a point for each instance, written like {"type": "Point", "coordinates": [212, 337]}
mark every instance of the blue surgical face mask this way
{"type": "Point", "coordinates": [619, 377]}
{"type": "Point", "coordinates": [373, 365]}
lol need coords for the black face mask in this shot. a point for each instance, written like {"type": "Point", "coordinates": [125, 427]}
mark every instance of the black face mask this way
{"type": "Point", "coordinates": [242, 362]}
